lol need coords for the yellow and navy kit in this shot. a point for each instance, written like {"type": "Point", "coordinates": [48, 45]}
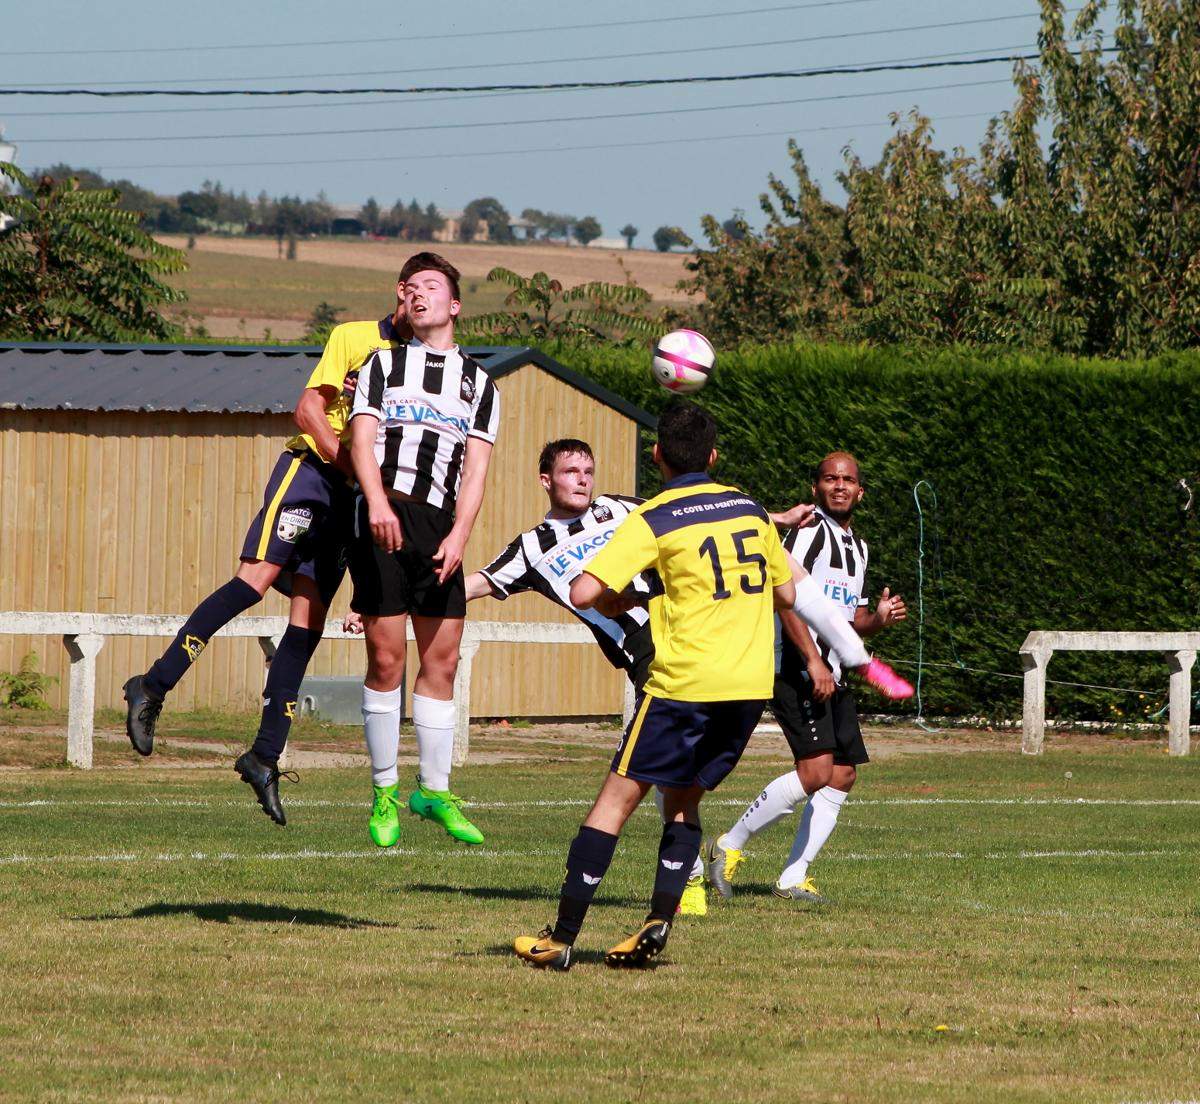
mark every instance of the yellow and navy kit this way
{"type": "Point", "coordinates": [349, 347]}
{"type": "Point", "coordinates": [719, 558]}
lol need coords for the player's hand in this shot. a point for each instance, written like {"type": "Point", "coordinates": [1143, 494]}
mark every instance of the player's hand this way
{"type": "Point", "coordinates": [822, 680]}
{"type": "Point", "coordinates": [799, 516]}
{"type": "Point", "coordinates": [385, 526]}
{"type": "Point", "coordinates": [612, 604]}
{"type": "Point", "coordinates": [891, 608]}
{"type": "Point", "coordinates": [449, 556]}
{"type": "Point", "coordinates": [352, 623]}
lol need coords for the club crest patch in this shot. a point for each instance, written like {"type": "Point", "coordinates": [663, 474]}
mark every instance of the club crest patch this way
{"type": "Point", "coordinates": [193, 645]}
{"type": "Point", "coordinates": [601, 512]}
{"type": "Point", "coordinates": [466, 391]}
{"type": "Point", "coordinates": [293, 524]}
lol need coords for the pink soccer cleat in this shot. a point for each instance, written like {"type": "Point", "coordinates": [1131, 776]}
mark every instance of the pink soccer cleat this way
{"type": "Point", "coordinates": [879, 675]}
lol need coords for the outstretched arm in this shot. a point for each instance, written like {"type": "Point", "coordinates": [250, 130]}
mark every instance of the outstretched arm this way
{"type": "Point", "coordinates": [891, 608]}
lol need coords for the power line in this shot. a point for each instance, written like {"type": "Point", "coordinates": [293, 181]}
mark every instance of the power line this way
{"type": "Point", "coordinates": [522, 122]}
{"type": "Point", "coordinates": [638, 82]}
{"type": "Point", "coordinates": [909, 62]}
{"type": "Point", "coordinates": [659, 54]}
{"type": "Point", "coordinates": [457, 35]}
{"type": "Point", "coordinates": [702, 139]}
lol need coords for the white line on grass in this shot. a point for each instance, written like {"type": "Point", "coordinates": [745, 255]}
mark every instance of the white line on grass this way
{"type": "Point", "coordinates": [307, 854]}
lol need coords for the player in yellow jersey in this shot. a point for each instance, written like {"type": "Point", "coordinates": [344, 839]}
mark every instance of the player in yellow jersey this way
{"type": "Point", "coordinates": [723, 572]}
{"type": "Point", "coordinates": [294, 544]}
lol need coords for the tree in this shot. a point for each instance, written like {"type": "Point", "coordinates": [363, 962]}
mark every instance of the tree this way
{"type": "Point", "coordinates": [595, 310]}
{"type": "Point", "coordinates": [665, 237]}
{"type": "Point", "coordinates": [370, 215]}
{"type": "Point", "coordinates": [321, 322]}
{"type": "Point", "coordinates": [77, 267]}
{"type": "Point", "coordinates": [629, 232]}
{"type": "Point", "coordinates": [587, 229]}
{"type": "Point", "coordinates": [490, 211]}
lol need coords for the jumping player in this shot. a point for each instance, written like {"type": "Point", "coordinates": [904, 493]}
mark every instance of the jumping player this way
{"type": "Point", "coordinates": [422, 427]}
{"type": "Point", "coordinates": [723, 570]}
{"type": "Point", "coordinates": [814, 707]}
{"type": "Point", "coordinates": [294, 543]}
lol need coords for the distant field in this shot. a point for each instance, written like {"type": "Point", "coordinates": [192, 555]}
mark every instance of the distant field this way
{"type": "Point", "coordinates": [243, 296]}
{"type": "Point", "coordinates": [1001, 929]}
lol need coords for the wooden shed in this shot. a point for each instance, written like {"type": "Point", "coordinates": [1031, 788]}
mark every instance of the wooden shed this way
{"type": "Point", "coordinates": [128, 475]}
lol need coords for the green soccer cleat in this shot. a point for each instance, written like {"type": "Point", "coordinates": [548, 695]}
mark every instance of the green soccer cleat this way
{"type": "Point", "coordinates": [384, 824]}
{"type": "Point", "coordinates": [444, 808]}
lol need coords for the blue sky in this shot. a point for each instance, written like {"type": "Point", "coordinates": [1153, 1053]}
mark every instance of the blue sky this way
{"type": "Point", "coordinates": [652, 156]}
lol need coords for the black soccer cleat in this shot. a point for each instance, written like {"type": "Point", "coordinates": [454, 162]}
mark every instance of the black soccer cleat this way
{"type": "Point", "coordinates": [142, 715]}
{"type": "Point", "coordinates": [263, 779]}
{"type": "Point", "coordinates": [641, 948]}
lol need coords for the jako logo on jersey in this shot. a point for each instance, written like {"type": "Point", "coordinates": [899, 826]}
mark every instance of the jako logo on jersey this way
{"type": "Point", "coordinates": [580, 553]}
{"type": "Point", "coordinates": [419, 412]}
{"type": "Point", "coordinates": [671, 865]}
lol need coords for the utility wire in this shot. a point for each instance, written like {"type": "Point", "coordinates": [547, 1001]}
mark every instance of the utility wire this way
{"type": "Point", "coordinates": [520, 122]}
{"type": "Point", "coordinates": [623, 56]}
{"type": "Point", "coordinates": [456, 35]}
{"type": "Point", "coordinates": [547, 86]}
{"type": "Point", "coordinates": [703, 139]}
{"type": "Point", "coordinates": [960, 55]}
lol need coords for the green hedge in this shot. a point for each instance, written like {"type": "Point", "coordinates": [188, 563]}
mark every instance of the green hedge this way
{"type": "Point", "coordinates": [1057, 481]}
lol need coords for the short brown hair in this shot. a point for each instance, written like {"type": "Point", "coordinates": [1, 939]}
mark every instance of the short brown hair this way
{"type": "Point", "coordinates": [431, 262]}
{"type": "Point", "coordinates": [687, 434]}
{"type": "Point", "coordinates": [564, 446]}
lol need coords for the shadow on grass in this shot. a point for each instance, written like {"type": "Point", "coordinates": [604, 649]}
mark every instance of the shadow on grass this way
{"type": "Point", "coordinates": [513, 893]}
{"type": "Point", "coordinates": [225, 912]}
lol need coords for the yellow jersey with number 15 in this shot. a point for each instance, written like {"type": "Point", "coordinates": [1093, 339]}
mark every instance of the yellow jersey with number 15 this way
{"type": "Point", "coordinates": [719, 558]}
{"type": "Point", "coordinates": [349, 347]}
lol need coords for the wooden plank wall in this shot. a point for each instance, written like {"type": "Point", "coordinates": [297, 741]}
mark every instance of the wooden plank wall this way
{"type": "Point", "coordinates": [145, 513]}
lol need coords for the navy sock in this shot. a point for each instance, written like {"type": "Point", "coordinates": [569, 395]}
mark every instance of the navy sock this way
{"type": "Point", "coordinates": [677, 853]}
{"type": "Point", "coordinates": [283, 687]}
{"type": "Point", "coordinates": [587, 862]}
{"type": "Point", "coordinates": [216, 611]}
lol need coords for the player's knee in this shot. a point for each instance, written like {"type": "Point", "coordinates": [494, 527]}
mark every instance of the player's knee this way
{"type": "Point", "coordinates": [844, 778]}
{"type": "Point", "coordinates": [814, 773]}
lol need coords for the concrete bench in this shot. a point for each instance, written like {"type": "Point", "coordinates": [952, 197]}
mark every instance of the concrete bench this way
{"type": "Point", "coordinates": [84, 634]}
{"type": "Point", "coordinates": [1180, 649]}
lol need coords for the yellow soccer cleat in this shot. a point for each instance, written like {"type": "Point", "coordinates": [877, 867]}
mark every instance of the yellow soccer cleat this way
{"type": "Point", "coordinates": [641, 948]}
{"type": "Point", "coordinates": [693, 902]}
{"type": "Point", "coordinates": [721, 863]}
{"type": "Point", "coordinates": [543, 952]}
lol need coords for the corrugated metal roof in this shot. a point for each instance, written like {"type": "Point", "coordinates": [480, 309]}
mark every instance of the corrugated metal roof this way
{"type": "Point", "coordinates": [208, 378]}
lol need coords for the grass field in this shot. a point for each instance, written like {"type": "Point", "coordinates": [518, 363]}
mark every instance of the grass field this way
{"type": "Point", "coordinates": [1002, 929]}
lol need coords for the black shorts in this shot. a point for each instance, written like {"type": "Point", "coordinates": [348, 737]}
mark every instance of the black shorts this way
{"type": "Point", "coordinates": [812, 726]}
{"type": "Point", "coordinates": [678, 743]}
{"type": "Point", "coordinates": [390, 583]}
{"type": "Point", "coordinates": [304, 522]}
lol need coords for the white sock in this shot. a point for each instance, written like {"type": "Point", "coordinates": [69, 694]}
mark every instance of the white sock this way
{"type": "Point", "coordinates": [780, 798]}
{"type": "Point", "coordinates": [816, 826]}
{"type": "Point", "coordinates": [381, 726]}
{"type": "Point", "coordinates": [698, 865]}
{"type": "Point", "coordinates": [820, 613]}
{"type": "Point", "coordinates": [434, 722]}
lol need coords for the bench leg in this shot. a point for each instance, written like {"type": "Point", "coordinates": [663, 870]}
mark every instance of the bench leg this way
{"type": "Point", "coordinates": [462, 702]}
{"type": "Point", "coordinates": [1033, 712]}
{"type": "Point", "coordinates": [81, 706]}
{"type": "Point", "coordinates": [1179, 740]}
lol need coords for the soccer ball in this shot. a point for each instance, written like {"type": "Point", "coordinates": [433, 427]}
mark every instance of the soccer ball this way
{"type": "Point", "coordinates": [683, 361]}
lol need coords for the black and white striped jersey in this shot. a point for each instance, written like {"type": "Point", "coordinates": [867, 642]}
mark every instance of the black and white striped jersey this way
{"type": "Point", "coordinates": [547, 559]}
{"type": "Point", "coordinates": [427, 403]}
{"type": "Point", "coordinates": [837, 561]}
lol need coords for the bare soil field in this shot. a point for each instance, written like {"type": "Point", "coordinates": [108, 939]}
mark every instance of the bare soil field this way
{"type": "Point", "coordinates": [658, 273]}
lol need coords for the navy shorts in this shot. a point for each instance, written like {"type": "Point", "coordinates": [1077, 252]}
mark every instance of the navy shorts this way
{"type": "Point", "coordinates": [680, 744]}
{"type": "Point", "coordinates": [304, 523]}
{"type": "Point", "coordinates": [811, 726]}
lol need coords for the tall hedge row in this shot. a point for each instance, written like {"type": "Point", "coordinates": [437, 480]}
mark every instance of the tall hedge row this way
{"type": "Point", "coordinates": [1057, 482]}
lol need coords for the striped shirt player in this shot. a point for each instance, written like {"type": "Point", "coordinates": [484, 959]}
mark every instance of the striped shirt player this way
{"type": "Point", "coordinates": [547, 559]}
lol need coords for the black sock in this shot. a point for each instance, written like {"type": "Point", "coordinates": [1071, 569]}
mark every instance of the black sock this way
{"type": "Point", "coordinates": [283, 686]}
{"type": "Point", "coordinates": [587, 862]}
{"type": "Point", "coordinates": [217, 610]}
{"type": "Point", "coordinates": [676, 856]}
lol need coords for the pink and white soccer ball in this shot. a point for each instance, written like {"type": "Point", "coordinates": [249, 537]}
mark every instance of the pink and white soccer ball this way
{"type": "Point", "coordinates": [683, 361]}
